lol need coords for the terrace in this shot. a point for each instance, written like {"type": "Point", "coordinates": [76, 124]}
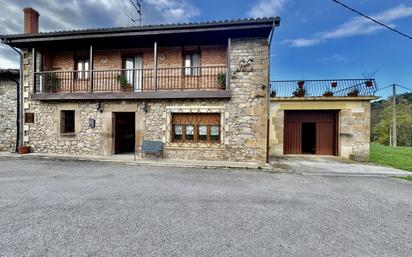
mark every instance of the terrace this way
{"type": "Point", "coordinates": [323, 88]}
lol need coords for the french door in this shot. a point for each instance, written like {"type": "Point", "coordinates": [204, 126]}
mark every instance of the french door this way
{"type": "Point", "coordinates": [134, 72]}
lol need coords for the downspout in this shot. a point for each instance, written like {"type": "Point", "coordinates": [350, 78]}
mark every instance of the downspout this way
{"type": "Point", "coordinates": [19, 102]}
{"type": "Point", "coordinates": [276, 23]}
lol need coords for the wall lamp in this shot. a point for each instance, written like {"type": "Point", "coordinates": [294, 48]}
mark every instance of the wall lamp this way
{"type": "Point", "coordinates": [99, 107]}
{"type": "Point", "coordinates": [144, 107]}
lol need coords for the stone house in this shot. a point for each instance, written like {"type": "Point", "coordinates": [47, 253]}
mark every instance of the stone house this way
{"type": "Point", "coordinates": [202, 89]}
{"type": "Point", "coordinates": [9, 79]}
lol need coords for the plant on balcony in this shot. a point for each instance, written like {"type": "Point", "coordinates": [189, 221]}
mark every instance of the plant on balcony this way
{"type": "Point", "coordinates": [52, 82]}
{"type": "Point", "coordinates": [354, 92]}
{"type": "Point", "coordinates": [299, 92]}
{"type": "Point", "coordinates": [301, 83]}
{"type": "Point", "coordinates": [328, 93]}
{"type": "Point", "coordinates": [334, 84]}
{"type": "Point", "coordinates": [273, 93]}
{"type": "Point", "coordinates": [124, 83]}
{"type": "Point", "coordinates": [221, 79]}
{"type": "Point", "coordinates": [369, 83]}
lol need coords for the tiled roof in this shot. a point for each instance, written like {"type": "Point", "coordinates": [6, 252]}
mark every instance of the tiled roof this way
{"type": "Point", "coordinates": [151, 27]}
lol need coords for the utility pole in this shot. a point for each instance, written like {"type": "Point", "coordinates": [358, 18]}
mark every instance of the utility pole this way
{"type": "Point", "coordinates": [394, 136]}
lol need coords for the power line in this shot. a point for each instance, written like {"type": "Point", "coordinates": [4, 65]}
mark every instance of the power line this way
{"type": "Point", "coordinates": [372, 19]}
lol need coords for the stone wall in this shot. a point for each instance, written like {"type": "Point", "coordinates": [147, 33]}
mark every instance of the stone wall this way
{"type": "Point", "coordinates": [353, 127]}
{"type": "Point", "coordinates": [245, 115]}
{"type": "Point", "coordinates": [8, 109]}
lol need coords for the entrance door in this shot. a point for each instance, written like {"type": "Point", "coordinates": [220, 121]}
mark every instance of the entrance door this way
{"type": "Point", "coordinates": [310, 132]}
{"type": "Point", "coordinates": [124, 132]}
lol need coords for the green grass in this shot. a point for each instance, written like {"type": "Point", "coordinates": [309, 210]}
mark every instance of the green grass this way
{"type": "Point", "coordinates": [398, 157]}
{"type": "Point", "coordinates": [408, 178]}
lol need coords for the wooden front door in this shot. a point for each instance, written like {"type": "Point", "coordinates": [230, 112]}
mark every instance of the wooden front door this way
{"type": "Point", "coordinates": [124, 132]}
{"type": "Point", "coordinates": [310, 132]}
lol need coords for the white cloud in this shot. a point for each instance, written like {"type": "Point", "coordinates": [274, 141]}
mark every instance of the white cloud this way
{"type": "Point", "coordinates": [83, 14]}
{"type": "Point", "coordinates": [355, 27]}
{"type": "Point", "coordinates": [266, 8]}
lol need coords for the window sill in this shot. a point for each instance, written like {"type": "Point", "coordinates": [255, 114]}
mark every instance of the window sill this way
{"type": "Point", "coordinates": [67, 134]}
{"type": "Point", "coordinates": [177, 146]}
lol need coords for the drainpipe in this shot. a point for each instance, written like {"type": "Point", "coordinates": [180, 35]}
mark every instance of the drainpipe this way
{"type": "Point", "coordinates": [19, 102]}
{"type": "Point", "coordinates": [276, 23]}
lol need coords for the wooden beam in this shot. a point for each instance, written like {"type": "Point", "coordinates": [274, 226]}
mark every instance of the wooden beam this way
{"type": "Point", "coordinates": [229, 60]}
{"type": "Point", "coordinates": [33, 67]}
{"type": "Point", "coordinates": [155, 66]}
{"type": "Point", "coordinates": [91, 68]}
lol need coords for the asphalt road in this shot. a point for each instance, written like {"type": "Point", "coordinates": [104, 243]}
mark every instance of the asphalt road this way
{"type": "Point", "coordinates": [55, 208]}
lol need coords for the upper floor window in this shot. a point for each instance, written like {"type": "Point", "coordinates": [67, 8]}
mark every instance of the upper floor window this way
{"type": "Point", "coordinates": [82, 67]}
{"type": "Point", "coordinates": [192, 64]}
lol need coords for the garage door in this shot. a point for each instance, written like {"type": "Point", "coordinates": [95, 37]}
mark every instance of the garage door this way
{"type": "Point", "coordinates": [310, 132]}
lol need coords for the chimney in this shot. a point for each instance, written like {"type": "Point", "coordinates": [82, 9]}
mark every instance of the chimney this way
{"type": "Point", "coordinates": [31, 20]}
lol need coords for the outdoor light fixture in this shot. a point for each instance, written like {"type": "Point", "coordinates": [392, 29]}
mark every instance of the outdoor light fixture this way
{"type": "Point", "coordinates": [99, 107]}
{"type": "Point", "coordinates": [144, 107]}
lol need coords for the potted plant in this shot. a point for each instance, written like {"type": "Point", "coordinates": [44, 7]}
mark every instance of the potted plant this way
{"type": "Point", "coordinates": [301, 83]}
{"type": "Point", "coordinates": [334, 84]}
{"type": "Point", "coordinates": [124, 83]}
{"type": "Point", "coordinates": [328, 93]}
{"type": "Point", "coordinates": [24, 149]}
{"type": "Point", "coordinates": [354, 92]}
{"type": "Point", "coordinates": [52, 82]}
{"type": "Point", "coordinates": [369, 83]}
{"type": "Point", "coordinates": [299, 92]}
{"type": "Point", "coordinates": [221, 79]}
{"type": "Point", "coordinates": [273, 93]}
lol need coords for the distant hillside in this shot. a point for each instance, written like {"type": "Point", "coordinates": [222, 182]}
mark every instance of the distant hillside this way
{"type": "Point", "coordinates": [381, 117]}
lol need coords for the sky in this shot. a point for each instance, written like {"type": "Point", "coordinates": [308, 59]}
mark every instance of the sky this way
{"type": "Point", "coordinates": [317, 39]}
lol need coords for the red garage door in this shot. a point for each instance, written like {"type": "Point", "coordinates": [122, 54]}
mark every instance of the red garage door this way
{"type": "Point", "coordinates": [310, 132]}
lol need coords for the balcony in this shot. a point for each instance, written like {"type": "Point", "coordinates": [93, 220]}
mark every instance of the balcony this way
{"type": "Point", "coordinates": [174, 82]}
{"type": "Point", "coordinates": [323, 88]}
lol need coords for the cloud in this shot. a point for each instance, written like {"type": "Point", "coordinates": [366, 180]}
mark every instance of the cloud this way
{"type": "Point", "coordinates": [82, 14]}
{"type": "Point", "coordinates": [355, 27]}
{"type": "Point", "coordinates": [266, 8]}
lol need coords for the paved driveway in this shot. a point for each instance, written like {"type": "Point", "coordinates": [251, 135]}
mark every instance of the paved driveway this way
{"type": "Point", "coordinates": [98, 209]}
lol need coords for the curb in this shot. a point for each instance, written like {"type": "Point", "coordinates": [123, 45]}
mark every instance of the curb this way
{"type": "Point", "coordinates": [263, 167]}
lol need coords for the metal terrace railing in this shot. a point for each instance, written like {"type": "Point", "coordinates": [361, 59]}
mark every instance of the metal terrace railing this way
{"type": "Point", "coordinates": [147, 79]}
{"type": "Point", "coordinates": [317, 88]}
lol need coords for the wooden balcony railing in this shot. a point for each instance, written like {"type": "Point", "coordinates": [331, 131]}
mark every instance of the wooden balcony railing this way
{"type": "Point", "coordinates": [138, 80]}
{"type": "Point", "coordinates": [316, 88]}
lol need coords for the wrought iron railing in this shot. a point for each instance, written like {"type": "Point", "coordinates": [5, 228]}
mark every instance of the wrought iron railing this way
{"type": "Point", "coordinates": [148, 79]}
{"type": "Point", "coordinates": [315, 88]}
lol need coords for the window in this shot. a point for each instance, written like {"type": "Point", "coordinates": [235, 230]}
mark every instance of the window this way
{"type": "Point", "coordinates": [82, 67]}
{"type": "Point", "coordinates": [192, 64]}
{"type": "Point", "coordinates": [29, 117]}
{"type": "Point", "coordinates": [67, 122]}
{"type": "Point", "coordinates": [196, 128]}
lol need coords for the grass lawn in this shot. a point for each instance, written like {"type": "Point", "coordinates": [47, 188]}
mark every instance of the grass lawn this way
{"type": "Point", "coordinates": [399, 157]}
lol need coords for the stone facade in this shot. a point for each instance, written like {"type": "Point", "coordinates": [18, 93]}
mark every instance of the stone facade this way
{"type": "Point", "coordinates": [245, 115]}
{"type": "Point", "coordinates": [8, 89]}
{"type": "Point", "coordinates": [353, 127]}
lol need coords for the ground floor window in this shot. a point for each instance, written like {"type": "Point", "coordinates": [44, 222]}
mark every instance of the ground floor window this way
{"type": "Point", "coordinates": [67, 121]}
{"type": "Point", "coordinates": [196, 128]}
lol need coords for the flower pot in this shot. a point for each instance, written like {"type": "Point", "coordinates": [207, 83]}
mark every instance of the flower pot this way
{"type": "Point", "coordinates": [23, 149]}
{"type": "Point", "coordinates": [334, 84]}
{"type": "Point", "coordinates": [369, 83]}
{"type": "Point", "coordinates": [299, 94]}
{"type": "Point", "coordinates": [301, 84]}
{"type": "Point", "coordinates": [353, 94]}
{"type": "Point", "coordinates": [328, 94]}
{"type": "Point", "coordinates": [273, 94]}
{"type": "Point", "coordinates": [127, 88]}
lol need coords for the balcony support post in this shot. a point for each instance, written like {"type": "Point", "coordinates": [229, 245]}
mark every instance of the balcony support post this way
{"type": "Point", "coordinates": [155, 66]}
{"type": "Point", "coordinates": [33, 67]}
{"type": "Point", "coordinates": [229, 60]}
{"type": "Point", "coordinates": [91, 69]}
{"type": "Point", "coordinates": [40, 69]}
